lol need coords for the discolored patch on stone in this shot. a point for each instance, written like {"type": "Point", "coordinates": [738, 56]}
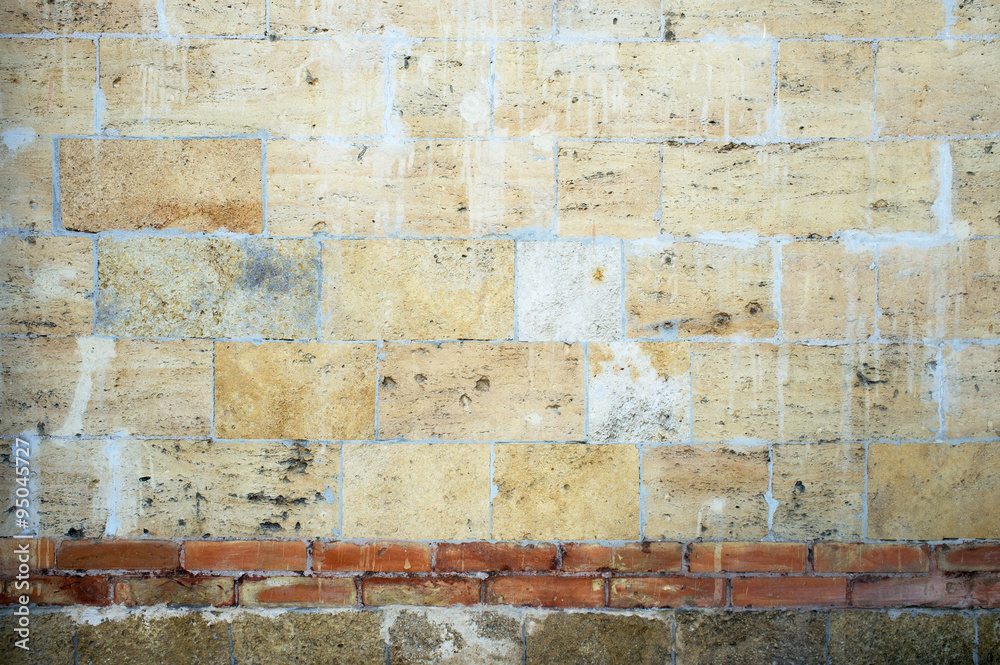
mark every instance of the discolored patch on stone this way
{"type": "Point", "coordinates": [706, 491]}
{"type": "Point", "coordinates": [207, 287]}
{"type": "Point", "coordinates": [226, 489]}
{"type": "Point", "coordinates": [820, 491]}
{"type": "Point", "coordinates": [597, 639]}
{"type": "Point", "coordinates": [976, 185]}
{"type": "Point", "coordinates": [566, 492]}
{"type": "Point", "coordinates": [883, 639]}
{"type": "Point", "coordinates": [26, 185]}
{"type": "Point", "coordinates": [751, 638]}
{"type": "Point", "coordinates": [292, 638]}
{"type": "Point", "coordinates": [972, 382]}
{"type": "Point", "coordinates": [46, 286]}
{"type": "Point", "coordinates": [139, 639]}
{"type": "Point", "coordinates": [639, 392]}
{"type": "Point", "coordinates": [454, 637]}
{"type": "Point", "coordinates": [120, 185]}
{"type": "Point", "coordinates": [50, 640]}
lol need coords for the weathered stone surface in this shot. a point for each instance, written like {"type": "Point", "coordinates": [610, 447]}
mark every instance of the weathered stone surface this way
{"type": "Point", "coordinates": [189, 17]}
{"type": "Point", "coordinates": [185, 591]}
{"type": "Point", "coordinates": [800, 190]}
{"type": "Point", "coordinates": [48, 86]}
{"type": "Point", "coordinates": [566, 492]}
{"type": "Point", "coordinates": [228, 489]}
{"type": "Point", "coordinates": [437, 491]}
{"type": "Point", "coordinates": [568, 291]}
{"type": "Point", "coordinates": [692, 289]}
{"type": "Point", "coordinates": [294, 391]}
{"type": "Point", "coordinates": [182, 639]}
{"type": "Point", "coordinates": [207, 287]}
{"type": "Point", "coordinates": [944, 291]}
{"type": "Point", "coordinates": [976, 18]}
{"type": "Point", "coordinates": [609, 189]}
{"type": "Point", "coordinates": [51, 640]}
{"type": "Point", "coordinates": [639, 391]}
{"type": "Point", "coordinates": [441, 88]}
{"type": "Point", "coordinates": [454, 637]}
{"type": "Point", "coordinates": [825, 89]}
{"type": "Point", "coordinates": [594, 638]}
{"type": "Point", "coordinates": [976, 186]}
{"type": "Point", "coordinates": [753, 638]}
{"type": "Point", "coordinates": [89, 385]}
{"type": "Point", "coordinates": [455, 19]}
{"type": "Point", "coordinates": [28, 16]}
{"type": "Point", "coordinates": [292, 638]}
{"type": "Point", "coordinates": [213, 87]}
{"type": "Point", "coordinates": [608, 19]}
{"type": "Point", "coordinates": [26, 185]}
{"type": "Point", "coordinates": [74, 487]}
{"type": "Point", "coordinates": [972, 382]}
{"type": "Point", "coordinates": [482, 392]}
{"type": "Point", "coordinates": [631, 90]}
{"type": "Point", "coordinates": [705, 492]}
{"type": "Point", "coordinates": [882, 638]}
{"type": "Point", "coordinates": [928, 88]}
{"type": "Point", "coordinates": [418, 289]}
{"type": "Point", "coordinates": [115, 184]}
{"type": "Point", "coordinates": [907, 485]}
{"type": "Point", "coordinates": [45, 285]}
{"type": "Point", "coordinates": [820, 491]}
{"type": "Point", "coordinates": [438, 188]}
{"type": "Point", "coordinates": [734, 392]}
{"type": "Point", "coordinates": [989, 638]}
{"type": "Point", "coordinates": [827, 291]}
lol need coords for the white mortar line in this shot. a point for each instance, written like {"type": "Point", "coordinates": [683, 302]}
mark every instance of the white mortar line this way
{"type": "Point", "coordinates": [643, 515]}
{"type": "Point", "coordinates": [875, 132]}
{"type": "Point", "coordinates": [340, 499]}
{"type": "Point", "coordinates": [378, 380]}
{"type": "Point", "coordinates": [98, 93]}
{"type": "Point", "coordinates": [772, 505]}
{"type": "Point", "coordinates": [493, 487]}
{"type": "Point", "coordinates": [516, 332]}
{"type": "Point", "coordinates": [658, 216]}
{"type": "Point", "coordinates": [319, 291]}
{"type": "Point", "coordinates": [263, 184]}
{"type": "Point", "coordinates": [586, 391]}
{"type": "Point", "coordinates": [624, 319]}
{"type": "Point", "coordinates": [555, 187]}
{"type": "Point", "coordinates": [864, 502]}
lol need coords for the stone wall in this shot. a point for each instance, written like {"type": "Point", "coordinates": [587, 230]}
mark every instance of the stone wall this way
{"type": "Point", "coordinates": [480, 331]}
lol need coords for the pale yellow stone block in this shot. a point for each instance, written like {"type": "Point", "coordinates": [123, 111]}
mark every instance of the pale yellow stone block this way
{"type": "Point", "coordinates": [75, 487]}
{"type": "Point", "coordinates": [566, 492]}
{"type": "Point", "coordinates": [699, 289]}
{"type": "Point", "coordinates": [976, 186]}
{"type": "Point", "coordinates": [418, 289]}
{"type": "Point", "coordinates": [609, 189]}
{"type": "Point", "coordinates": [632, 90]}
{"type": "Point", "coordinates": [294, 391]}
{"type": "Point", "coordinates": [820, 491]}
{"type": "Point", "coordinates": [63, 17]}
{"type": "Point", "coordinates": [417, 491]}
{"type": "Point", "coordinates": [47, 86]}
{"type": "Point", "coordinates": [215, 17]}
{"type": "Point", "coordinates": [705, 492]}
{"type": "Point", "coordinates": [482, 392]}
{"type": "Point", "coordinates": [210, 87]}
{"type": "Point", "coordinates": [607, 19]}
{"type": "Point", "coordinates": [438, 188]}
{"type": "Point", "coordinates": [735, 392]}
{"type": "Point", "coordinates": [978, 17]}
{"type": "Point", "coordinates": [26, 185]}
{"type": "Point", "coordinates": [46, 285]}
{"type": "Point", "coordinates": [972, 408]}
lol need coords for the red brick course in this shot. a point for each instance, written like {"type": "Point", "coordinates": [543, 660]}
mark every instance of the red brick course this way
{"type": "Point", "coordinates": [631, 558]}
{"type": "Point", "coordinates": [749, 557]}
{"type": "Point", "coordinates": [494, 557]}
{"type": "Point", "coordinates": [862, 558]}
{"type": "Point", "coordinates": [372, 557]}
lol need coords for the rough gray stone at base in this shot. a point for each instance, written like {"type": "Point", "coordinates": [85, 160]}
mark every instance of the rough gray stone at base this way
{"type": "Point", "coordinates": [186, 639]}
{"type": "Point", "coordinates": [309, 638]}
{"type": "Point", "coordinates": [50, 640]}
{"type": "Point", "coordinates": [455, 637]}
{"type": "Point", "coordinates": [989, 639]}
{"type": "Point", "coordinates": [876, 638]}
{"type": "Point", "coordinates": [597, 639]}
{"type": "Point", "coordinates": [751, 638]}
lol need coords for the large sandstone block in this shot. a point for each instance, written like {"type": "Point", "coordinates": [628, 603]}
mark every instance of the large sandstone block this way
{"type": "Point", "coordinates": [186, 17]}
{"type": "Point", "coordinates": [295, 638]}
{"type": "Point", "coordinates": [114, 184]}
{"type": "Point", "coordinates": [51, 639]}
{"type": "Point", "coordinates": [976, 18]}
{"type": "Point", "coordinates": [479, 391]}
{"type": "Point", "coordinates": [754, 638]}
{"type": "Point", "coordinates": [215, 87]}
{"type": "Point", "coordinates": [455, 636]}
{"type": "Point", "coordinates": [180, 639]}
{"type": "Point", "coordinates": [972, 385]}
{"type": "Point", "coordinates": [734, 390]}
{"type": "Point", "coordinates": [435, 188]}
{"type": "Point", "coordinates": [632, 90]}
{"type": "Point", "coordinates": [207, 287]}
{"type": "Point", "coordinates": [692, 289]}
{"type": "Point", "coordinates": [46, 285]}
{"type": "Point", "coordinates": [437, 491]}
{"type": "Point", "coordinates": [976, 185]}
{"type": "Point", "coordinates": [47, 86]}
{"type": "Point", "coordinates": [566, 492]}
{"type": "Point", "coordinates": [28, 16]}
{"type": "Point", "coordinates": [294, 391]}
{"type": "Point", "coordinates": [592, 637]}
{"type": "Point", "coordinates": [820, 491]}
{"type": "Point", "coordinates": [66, 386]}
{"type": "Point", "coordinates": [26, 184]}
{"type": "Point", "coordinates": [608, 19]}
{"type": "Point", "coordinates": [418, 289]}
{"type": "Point", "coordinates": [880, 637]}
{"type": "Point", "coordinates": [74, 487]}
{"type": "Point", "coordinates": [800, 190]}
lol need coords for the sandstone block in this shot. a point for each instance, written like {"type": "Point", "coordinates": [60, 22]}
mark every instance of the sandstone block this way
{"type": "Point", "coordinates": [755, 638]}
{"type": "Point", "coordinates": [295, 638]}
{"type": "Point", "coordinates": [185, 639]}
{"type": "Point", "coordinates": [187, 17]}
{"type": "Point", "coordinates": [593, 637]}
{"type": "Point", "coordinates": [878, 637]}
{"type": "Point", "coordinates": [609, 20]}
{"type": "Point", "coordinates": [735, 392]}
{"type": "Point", "coordinates": [29, 16]}
{"type": "Point", "coordinates": [26, 185]}
{"type": "Point", "coordinates": [820, 491]}
{"type": "Point", "coordinates": [972, 382]}
{"type": "Point", "coordinates": [48, 86]}
{"type": "Point", "coordinates": [976, 185]}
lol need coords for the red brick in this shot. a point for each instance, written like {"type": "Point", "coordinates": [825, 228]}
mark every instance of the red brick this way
{"type": "Point", "coordinates": [187, 590]}
{"type": "Point", "coordinates": [433, 591]}
{"type": "Point", "coordinates": [117, 555]}
{"type": "Point", "coordinates": [748, 557]}
{"type": "Point", "coordinates": [967, 558]}
{"type": "Point", "coordinates": [299, 591]}
{"type": "Point", "coordinates": [545, 591]}
{"type": "Point", "coordinates": [372, 557]}
{"type": "Point", "coordinates": [667, 592]}
{"type": "Point", "coordinates": [41, 554]}
{"type": "Point", "coordinates": [245, 555]}
{"type": "Point", "coordinates": [790, 592]}
{"type": "Point", "coordinates": [494, 557]}
{"type": "Point", "coordinates": [986, 592]}
{"type": "Point", "coordinates": [59, 590]}
{"type": "Point", "coordinates": [631, 558]}
{"type": "Point", "coordinates": [862, 558]}
{"type": "Point", "coordinates": [931, 591]}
